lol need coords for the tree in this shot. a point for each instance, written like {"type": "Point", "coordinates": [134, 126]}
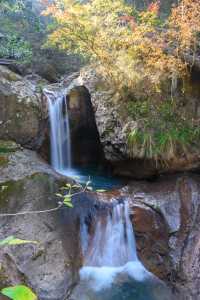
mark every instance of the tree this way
{"type": "Point", "coordinates": [125, 45]}
{"type": "Point", "coordinates": [142, 58]}
{"type": "Point", "coordinates": [13, 22]}
{"type": "Point", "coordinates": [23, 28]}
{"type": "Point", "coordinates": [184, 30]}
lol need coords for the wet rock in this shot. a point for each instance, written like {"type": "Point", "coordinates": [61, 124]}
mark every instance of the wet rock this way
{"type": "Point", "coordinates": [167, 230]}
{"type": "Point", "coordinates": [41, 266]}
{"type": "Point", "coordinates": [152, 239]}
{"type": "Point", "coordinates": [166, 215]}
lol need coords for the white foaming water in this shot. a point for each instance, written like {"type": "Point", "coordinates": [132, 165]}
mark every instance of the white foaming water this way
{"type": "Point", "coordinates": [100, 278]}
{"type": "Point", "coordinates": [111, 250]}
{"type": "Point", "coordinates": [113, 243]}
{"type": "Point", "coordinates": [60, 131]}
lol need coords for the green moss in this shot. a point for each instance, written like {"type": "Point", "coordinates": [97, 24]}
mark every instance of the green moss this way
{"type": "Point", "coordinates": [11, 76]}
{"type": "Point", "coordinates": [8, 189]}
{"type": "Point", "coordinates": [8, 146]}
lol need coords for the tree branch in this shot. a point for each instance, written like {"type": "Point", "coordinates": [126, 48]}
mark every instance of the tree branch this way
{"type": "Point", "coordinates": [33, 212]}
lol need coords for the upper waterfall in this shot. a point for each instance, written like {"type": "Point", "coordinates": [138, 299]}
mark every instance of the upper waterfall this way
{"type": "Point", "coordinates": [60, 131]}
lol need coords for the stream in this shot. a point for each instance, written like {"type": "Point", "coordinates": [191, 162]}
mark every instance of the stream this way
{"type": "Point", "coordinates": [111, 269]}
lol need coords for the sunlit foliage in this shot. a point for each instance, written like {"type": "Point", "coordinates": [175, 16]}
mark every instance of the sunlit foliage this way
{"type": "Point", "coordinates": [142, 58]}
{"type": "Point", "coordinates": [125, 45]}
{"type": "Point", "coordinates": [184, 29]}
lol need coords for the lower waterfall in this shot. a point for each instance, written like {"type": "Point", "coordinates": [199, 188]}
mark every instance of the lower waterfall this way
{"type": "Point", "coordinates": [112, 270]}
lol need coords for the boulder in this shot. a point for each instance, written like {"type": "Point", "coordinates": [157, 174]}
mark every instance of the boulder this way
{"type": "Point", "coordinates": [50, 267]}
{"type": "Point", "coordinates": [28, 184]}
{"type": "Point", "coordinates": [21, 109]}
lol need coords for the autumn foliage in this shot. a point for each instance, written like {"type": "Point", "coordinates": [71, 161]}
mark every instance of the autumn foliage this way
{"type": "Point", "coordinates": [142, 58]}
{"type": "Point", "coordinates": [130, 50]}
{"type": "Point", "coordinates": [184, 28]}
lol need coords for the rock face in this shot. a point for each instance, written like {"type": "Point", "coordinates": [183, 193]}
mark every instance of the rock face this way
{"type": "Point", "coordinates": [165, 213]}
{"type": "Point", "coordinates": [27, 184]}
{"type": "Point", "coordinates": [21, 116]}
{"type": "Point", "coordinates": [113, 126]}
{"type": "Point", "coordinates": [106, 115]}
{"type": "Point", "coordinates": [166, 221]}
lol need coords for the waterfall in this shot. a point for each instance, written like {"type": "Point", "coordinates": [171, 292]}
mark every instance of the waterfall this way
{"type": "Point", "coordinates": [60, 131]}
{"type": "Point", "coordinates": [112, 270]}
{"type": "Point", "coordinates": [113, 242]}
{"type": "Point", "coordinates": [111, 249]}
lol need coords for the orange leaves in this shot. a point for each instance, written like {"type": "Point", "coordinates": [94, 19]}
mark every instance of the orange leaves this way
{"type": "Point", "coordinates": [184, 24]}
{"type": "Point", "coordinates": [154, 7]}
{"type": "Point", "coordinates": [128, 52]}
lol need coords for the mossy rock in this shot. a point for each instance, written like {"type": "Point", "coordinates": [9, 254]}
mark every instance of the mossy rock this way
{"type": "Point", "coordinates": [8, 189]}
{"type": "Point", "coordinates": [7, 147]}
{"type": "Point", "coordinates": [8, 74]}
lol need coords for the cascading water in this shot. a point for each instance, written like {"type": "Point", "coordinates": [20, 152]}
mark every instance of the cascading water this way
{"type": "Point", "coordinates": [112, 270]}
{"type": "Point", "coordinates": [113, 243]}
{"type": "Point", "coordinates": [61, 157]}
{"type": "Point", "coordinates": [60, 131]}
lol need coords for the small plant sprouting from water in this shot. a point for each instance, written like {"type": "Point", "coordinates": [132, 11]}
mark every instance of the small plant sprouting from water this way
{"type": "Point", "coordinates": [67, 193]}
{"type": "Point", "coordinates": [69, 190]}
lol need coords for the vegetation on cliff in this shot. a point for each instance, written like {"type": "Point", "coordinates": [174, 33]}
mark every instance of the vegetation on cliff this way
{"type": "Point", "coordinates": [145, 59]}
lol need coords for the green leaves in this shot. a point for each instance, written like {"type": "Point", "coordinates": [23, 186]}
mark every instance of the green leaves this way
{"type": "Point", "coordinates": [15, 47]}
{"type": "Point", "coordinates": [67, 194]}
{"type": "Point", "coordinates": [100, 191]}
{"type": "Point", "coordinates": [19, 292]}
{"type": "Point", "coordinates": [12, 241]}
{"type": "Point", "coordinates": [67, 201]}
{"type": "Point", "coordinates": [69, 190]}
